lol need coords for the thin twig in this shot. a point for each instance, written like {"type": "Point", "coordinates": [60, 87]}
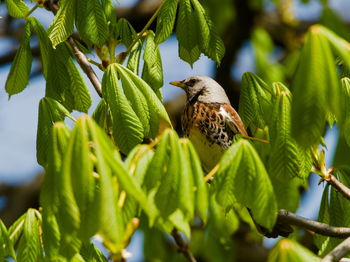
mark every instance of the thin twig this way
{"type": "Point", "coordinates": [139, 35]}
{"type": "Point", "coordinates": [211, 174]}
{"type": "Point", "coordinates": [338, 252]}
{"type": "Point", "coordinates": [290, 218]}
{"type": "Point", "coordinates": [182, 246]}
{"type": "Point", "coordinates": [257, 139]}
{"type": "Point", "coordinates": [85, 65]}
{"type": "Point", "coordinates": [344, 190]}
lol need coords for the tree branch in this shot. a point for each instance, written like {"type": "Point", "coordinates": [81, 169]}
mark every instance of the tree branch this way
{"type": "Point", "coordinates": [290, 218]}
{"type": "Point", "coordinates": [85, 65]}
{"type": "Point", "coordinates": [182, 246]}
{"type": "Point", "coordinates": [339, 186]}
{"type": "Point", "coordinates": [338, 252]}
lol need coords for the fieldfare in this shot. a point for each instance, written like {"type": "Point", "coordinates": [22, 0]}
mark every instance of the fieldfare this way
{"type": "Point", "coordinates": [209, 120]}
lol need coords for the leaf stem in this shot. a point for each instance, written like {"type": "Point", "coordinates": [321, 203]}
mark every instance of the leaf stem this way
{"type": "Point", "coordinates": [31, 11]}
{"type": "Point", "coordinates": [256, 139]}
{"type": "Point", "coordinates": [95, 63]}
{"type": "Point", "coordinates": [139, 35]}
{"type": "Point", "coordinates": [212, 172]}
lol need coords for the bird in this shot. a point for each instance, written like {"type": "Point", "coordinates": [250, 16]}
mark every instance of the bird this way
{"type": "Point", "coordinates": [208, 120]}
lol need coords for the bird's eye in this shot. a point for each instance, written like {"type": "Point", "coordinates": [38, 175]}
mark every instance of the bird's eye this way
{"type": "Point", "coordinates": [191, 82]}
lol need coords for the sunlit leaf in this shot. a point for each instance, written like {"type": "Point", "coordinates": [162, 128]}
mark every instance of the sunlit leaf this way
{"type": "Point", "coordinates": [315, 89]}
{"type": "Point", "coordinates": [91, 21]}
{"type": "Point", "coordinates": [50, 111]}
{"type": "Point", "coordinates": [17, 8]}
{"type": "Point", "coordinates": [253, 101]}
{"type": "Point", "coordinates": [63, 24]}
{"type": "Point", "coordinates": [127, 127]}
{"type": "Point", "coordinates": [186, 33]}
{"type": "Point", "coordinates": [290, 251]}
{"type": "Point", "coordinates": [152, 71]}
{"type": "Point", "coordinates": [242, 171]}
{"type": "Point", "coordinates": [166, 20]}
{"type": "Point", "coordinates": [29, 247]}
{"type": "Point", "coordinates": [18, 77]}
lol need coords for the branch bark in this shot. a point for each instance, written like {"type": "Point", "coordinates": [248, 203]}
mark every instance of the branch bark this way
{"type": "Point", "coordinates": [343, 189]}
{"type": "Point", "coordinates": [86, 66]}
{"type": "Point", "coordinates": [338, 252]}
{"type": "Point", "coordinates": [182, 246]}
{"type": "Point", "coordinates": [290, 218]}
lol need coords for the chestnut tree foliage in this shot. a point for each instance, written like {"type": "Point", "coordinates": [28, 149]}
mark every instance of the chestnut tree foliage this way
{"type": "Point", "coordinates": [124, 169]}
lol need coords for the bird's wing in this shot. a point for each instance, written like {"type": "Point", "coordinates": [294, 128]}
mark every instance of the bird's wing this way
{"type": "Point", "coordinates": [233, 120]}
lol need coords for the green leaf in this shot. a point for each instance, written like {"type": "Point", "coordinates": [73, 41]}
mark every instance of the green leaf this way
{"type": "Point", "coordinates": [290, 251]}
{"type": "Point", "coordinates": [284, 157]}
{"type": "Point", "coordinates": [63, 24]}
{"type": "Point", "coordinates": [345, 126]}
{"type": "Point", "coordinates": [91, 253]}
{"type": "Point", "coordinates": [81, 173]}
{"type": "Point", "coordinates": [78, 88]}
{"type": "Point", "coordinates": [323, 216]}
{"type": "Point", "coordinates": [64, 81]}
{"type": "Point", "coordinates": [221, 223]}
{"type": "Point", "coordinates": [18, 78]}
{"type": "Point", "coordinates": [186, 33]}
{"type": "Point", "coordinates": [253, 101]}
{"type": "Point", "coordinates": [6, 243]}
{"type": "Point", "coordinates": [100, 115]}
{"type": "Point", "coordinates": [199, 185]}
{"type": "Point", "coordinates": [159, 119]}
{"type": "Point", "coordinates": [49, 195]}
{"type": "Point", "coordinates": [30, 247]}
{"type": "Point", "coordinates": [50, 111]}
{"type": "Point", "coordinates": [126, 32]}
{"type": "Point", "coordinates": [339, 46]}
{"type": "Point", "coordinates": [91, 21]}
{"type": "Point", "coordinates": [158, 164]}
{"type": "Point", "coordinates": [242, 171]}
{"type": "Point", "coordinates": [209, 40]}
{"type": "Point", "coordinates": [44, 43]}
{"type": "Point", "coordinates": [16, 229]}
{"type": "Point", "coordinates": [17, 8]}
{"type": "Point", "coordinates": [127, 127]}
{"type": "Point", "coordinates": [152, 71]}
{"type": "Point", "coordinates": [334, 210]}
{"type": "Point", "coordinates": [137, 164]}
{"type": "Point", "coordinates": [58, 78]}
{"type": "Point", "coordinates": [166, 20]}
{"type": "Point", "coordinates": [137, 101]}
{"type": "Point", "coordinates": [315, 90]}
{"type": "Point", "coordinates": [134, 58]}
{"type": "Point", "coordinates": [110, 228]}
{"type": "Point", "coordinates": [342, 153]}
{"type": "Point", "coordinates": [68, 212]}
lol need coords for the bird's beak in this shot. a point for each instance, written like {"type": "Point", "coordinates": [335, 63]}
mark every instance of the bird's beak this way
{"type": "Point", "coordinates": [178, 83]}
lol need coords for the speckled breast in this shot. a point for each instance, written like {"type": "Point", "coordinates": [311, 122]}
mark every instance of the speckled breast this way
{"type": "Point", "coordinates": [205, 126]}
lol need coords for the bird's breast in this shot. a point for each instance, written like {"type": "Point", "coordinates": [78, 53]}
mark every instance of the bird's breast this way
{"type": "Point", "coordinates": [205, 126]}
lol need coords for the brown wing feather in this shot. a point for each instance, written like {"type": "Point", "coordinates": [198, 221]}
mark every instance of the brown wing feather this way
{"type": "Point", "coordinates": [236, 120]}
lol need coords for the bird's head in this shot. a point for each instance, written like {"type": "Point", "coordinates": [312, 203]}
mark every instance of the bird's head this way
{"type": "Point", "coordinates": [203, 89]}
